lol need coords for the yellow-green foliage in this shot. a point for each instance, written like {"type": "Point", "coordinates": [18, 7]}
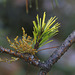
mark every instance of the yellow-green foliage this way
{"type": "Point", "coordinates": [44, 31]}
{"type": "Point", "coordinates": [24, 45]}
{"type": "Point", "coordinates": [9, 60]}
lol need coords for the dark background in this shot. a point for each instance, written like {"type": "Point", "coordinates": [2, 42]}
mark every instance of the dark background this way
{"type": "Point", "coordinates": [13, 17]}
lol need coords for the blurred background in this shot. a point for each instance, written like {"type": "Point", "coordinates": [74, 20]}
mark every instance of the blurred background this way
{"type": "Point", "coordinates": [14, 16]}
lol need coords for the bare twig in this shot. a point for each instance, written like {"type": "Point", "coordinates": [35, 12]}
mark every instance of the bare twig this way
{"type": "Point", "coordinates": [47, 65]}
{"type": "Point", "coordinates": [48, 48]}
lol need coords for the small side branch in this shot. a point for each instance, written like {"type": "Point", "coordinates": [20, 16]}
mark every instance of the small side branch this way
{"type": "Point", "coordinates": [57, 54]}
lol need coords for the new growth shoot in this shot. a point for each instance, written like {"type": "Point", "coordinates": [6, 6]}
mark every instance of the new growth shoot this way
{"type": "Point", "coordinates": [44, 31]}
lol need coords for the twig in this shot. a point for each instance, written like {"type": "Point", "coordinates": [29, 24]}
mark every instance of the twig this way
{"type": "Point", "coordinates": [27, 6]}
{"type": "Point", "coordinates": [27, 57]}
{"type": "Point", "coordinates": [48, 48]}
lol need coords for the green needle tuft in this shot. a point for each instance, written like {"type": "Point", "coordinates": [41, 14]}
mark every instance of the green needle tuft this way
{"type": "Point", "coordinates": [44, 31]}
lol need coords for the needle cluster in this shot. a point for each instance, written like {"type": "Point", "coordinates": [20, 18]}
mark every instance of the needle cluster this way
{"type": "Point", "coordinates": [42, 33]}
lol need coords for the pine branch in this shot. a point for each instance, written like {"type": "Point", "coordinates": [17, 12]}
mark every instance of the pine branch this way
{"type": "Point", "coordinates": [46, 67]}
{"type": "Point", "coordinates": [27, 57]}
{"type": "Point", "coordinates": [26, 48]}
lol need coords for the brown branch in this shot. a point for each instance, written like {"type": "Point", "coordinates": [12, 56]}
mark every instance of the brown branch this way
{"type": "Point", "coordinates": [26, 6]}
{"type": "Point", "coordinates": [48, 48]}
{"type": "Point", "coordinates": [57, 54]}
{"type": "Point", "coordinates": [27, 57]}
{"type": "Point", "coordinates": [47, 65]}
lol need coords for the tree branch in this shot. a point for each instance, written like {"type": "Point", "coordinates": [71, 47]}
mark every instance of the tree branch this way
{"type": "Point", "coordinates": [27, 57]}
{"type": "Point", "coordinates": [47, 65]}
{"type": "Point", "coordinates": [57, 54]}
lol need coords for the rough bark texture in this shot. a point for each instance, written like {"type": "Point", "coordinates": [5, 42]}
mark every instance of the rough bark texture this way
{"type": "Point", "coordinates": [57, 54]}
